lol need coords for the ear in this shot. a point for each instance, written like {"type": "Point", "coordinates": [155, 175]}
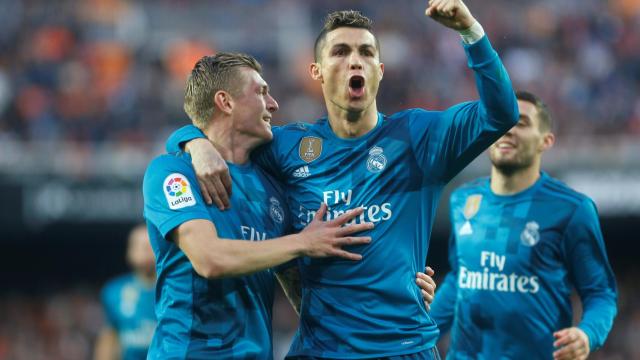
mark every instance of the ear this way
{"type": "Point", "coordinates": [223, 101]}
{"type": "Point", "coordinates": [315, 71]}
{"type": "Point", "coordinates": [547, 141]}
{"type": "Point", "coordinates": [381, 70]}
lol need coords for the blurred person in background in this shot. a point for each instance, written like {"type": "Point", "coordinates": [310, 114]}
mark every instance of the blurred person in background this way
{"type": "Point", "coordinates": [128, 303]}
{"type": "Point", "coordinates": [215, 282]}
{"type": "Point", "coordinates": [520, 240]}
{"type": "Point", "coordinates": [394, 167]}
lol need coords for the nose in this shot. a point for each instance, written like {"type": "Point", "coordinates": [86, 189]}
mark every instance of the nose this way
{"type": "Point", "coordinates": [355, 62]}
{"type": "Point", "coordinates": [272, 104]}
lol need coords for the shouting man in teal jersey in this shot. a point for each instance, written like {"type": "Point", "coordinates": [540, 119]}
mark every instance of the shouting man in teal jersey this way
{"type": "Point", "coordinates": [215, 285]}
{"type": "Point", "coordinates": [520, 241]}
{"type": "Point", "coordinates": [392, 167]}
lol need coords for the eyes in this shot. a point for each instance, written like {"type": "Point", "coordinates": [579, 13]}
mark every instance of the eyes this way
{"type": "Point", "coordinates": [344, 50]}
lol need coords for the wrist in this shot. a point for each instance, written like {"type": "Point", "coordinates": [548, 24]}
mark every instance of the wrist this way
{"type": "Point", "coordinates": [472, 34]}
{"type": "Point", "coordinates": [189, 145]}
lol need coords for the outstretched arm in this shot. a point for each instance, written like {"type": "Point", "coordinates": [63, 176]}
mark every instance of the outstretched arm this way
{"type": "Point", "coordinates": [213, 257]}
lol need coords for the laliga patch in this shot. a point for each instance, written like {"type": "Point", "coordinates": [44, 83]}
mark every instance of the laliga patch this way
{"type": "Point", "coordinates": [178, 192]}
{"type": "Point", "coordinates": [310, 148]}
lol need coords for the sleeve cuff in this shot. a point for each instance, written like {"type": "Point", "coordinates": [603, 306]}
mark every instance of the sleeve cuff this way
{"type": "Point", "coordinates": [479, 52]}
{"type": "Point", "coordinates": [473, 34]}
{"type": "Point", "coordinates": [175, 221]}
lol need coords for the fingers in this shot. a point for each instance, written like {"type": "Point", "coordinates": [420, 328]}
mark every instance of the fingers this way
{"type": "Point", "coordinates": [427, 298]}
{"type": "Point", "coordinates": [429, 271]}
{"type": "Point", "coordinates": [570, 352]}
{"type": "Point", "coordinates": [352, 240]}
{"type": "Point", "coordinates": [205, 192]}
{"type": "Point", "coordinates": [347, 216]}
{"type": "Point", "coordinates": [347, 255]}
{"type": "Point", "coordinates": [563, 337]}
{"type": "Point", "coordinates": [226, 182]}
{"type": "Point", "coordinates": [425, 285]}
{"type": "Point", "coordinates": [352, 229]}
{"type": "Point", "coordinates": [320, 213]}
{"type": "Point", "coordinates": [221, 193]}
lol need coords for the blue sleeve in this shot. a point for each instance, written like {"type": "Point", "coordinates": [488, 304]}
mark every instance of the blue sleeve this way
{"type": "Point", "coordinates": [171, 194]}
{"type": "Point", "coordinates": [178, 138]}
{"type": "Point", "coordinates": [445, 142]}
{"type": "Point", "coordinates": [444, 304]}
{"type": "Point", "coordinates": [591, 273]}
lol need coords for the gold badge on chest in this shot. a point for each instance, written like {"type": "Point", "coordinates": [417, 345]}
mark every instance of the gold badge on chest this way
{"type": "Point", "coordinates": [472, 206]}
{"type": "Point", "coordinates": [310, 148]}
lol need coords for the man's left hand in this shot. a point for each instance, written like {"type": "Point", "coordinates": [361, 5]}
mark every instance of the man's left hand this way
{"type": "Point", "coordinates": [572, 343]}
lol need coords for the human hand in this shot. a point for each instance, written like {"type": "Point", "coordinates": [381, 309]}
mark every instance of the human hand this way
{"type": "Point", "coordinates": [326, 238]}
{"type": "Point", "coordinates": [427, 286]}
{"type": "Point", "coordinates": [572, 344]}
{"type": "Point", "coordinates": [212, 172]}
{"type": "Point", "coordinates": [453, 14]}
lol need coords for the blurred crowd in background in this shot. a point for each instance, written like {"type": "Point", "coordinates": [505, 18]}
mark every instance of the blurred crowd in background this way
{"type": "Point", "coordinates": [98, 72]}
{"type": "Point", "coordinates": [114, 70]}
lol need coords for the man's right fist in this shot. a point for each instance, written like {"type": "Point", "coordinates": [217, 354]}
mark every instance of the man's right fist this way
{"type": "Point", "coordinates": [453, 14]}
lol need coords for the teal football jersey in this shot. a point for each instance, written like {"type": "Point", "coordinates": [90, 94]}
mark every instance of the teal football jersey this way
{"type": "Point", "coordinates": [515, 260]}
{"type": "Point", "coordinates": [227, 318]}
{"type": "Point", "coordinates": [128, 305]}
{"type": "Point", "coordinates": [396, 172]}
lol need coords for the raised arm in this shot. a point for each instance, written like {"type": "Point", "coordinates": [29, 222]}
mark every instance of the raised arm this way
{"type": "Point", "coordinates": [591, 274]}
{"type": "Point", "coordinates": [445, 142]}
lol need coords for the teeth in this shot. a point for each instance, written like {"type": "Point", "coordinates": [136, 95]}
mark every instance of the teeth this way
{"type": "Point", "coordinates": [504, 146]}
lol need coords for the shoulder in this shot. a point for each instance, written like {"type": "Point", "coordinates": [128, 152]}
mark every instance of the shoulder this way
{"type": "Point", "coordinates": [178, 160]}
{"type": "Point", "coordinates": [475, 186]}
{"type": "Point", "coordinates": [561, 191]}
{"type": "Point", "coordinates": [412, 114]}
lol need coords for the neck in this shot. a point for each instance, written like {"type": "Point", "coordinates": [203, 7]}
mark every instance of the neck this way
{"type": "Point", "coordinates": [233, 147]}
{"type": "Point", "coordinates": [512, 182]}
{"type": "Point", "coordinates": [349, 124]}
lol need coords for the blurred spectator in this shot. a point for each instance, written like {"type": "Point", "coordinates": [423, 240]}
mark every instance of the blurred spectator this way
{"type": "Point", "coordinates": [128, 303]}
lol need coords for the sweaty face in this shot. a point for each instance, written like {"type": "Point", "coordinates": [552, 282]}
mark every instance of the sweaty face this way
{"type": "Point", "coordinates": [350, 68]}
{"type": "Point", "coordinates": [254, 107]}
{"type": "Point", "coordinates": [519, 148]}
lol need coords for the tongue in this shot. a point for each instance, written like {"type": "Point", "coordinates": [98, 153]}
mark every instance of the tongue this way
{"type": "Point", "coordinates": [356, 92]}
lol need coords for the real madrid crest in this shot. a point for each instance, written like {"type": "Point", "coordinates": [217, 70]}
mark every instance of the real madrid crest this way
{"type": "Point", "coordinates": [310, 148]}
{"type": "Point", "coordinates": [275, 210]}
{"type": "Point", "coordinates": [530, 235]}
{"type": "Point", "coordinates": [376, 161]}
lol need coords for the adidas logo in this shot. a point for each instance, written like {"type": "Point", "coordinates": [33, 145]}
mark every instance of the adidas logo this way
{"type": "Point", "coordinates": [302, 172]}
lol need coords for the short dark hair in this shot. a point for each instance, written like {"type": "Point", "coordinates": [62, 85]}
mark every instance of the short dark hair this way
{"type": "Point", "coordinates": [338, 19]}
{"type": "Point", "coordinates": [545, 122]}
{"type": "Point", "coordinates": [210, 75]}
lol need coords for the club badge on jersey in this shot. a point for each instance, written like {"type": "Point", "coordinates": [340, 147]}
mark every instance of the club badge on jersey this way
{"type": "Point", "coordinates": [275, 210]}
{"type": "Point", "coordinates": [310, 148]}
{"type": "Point", "coordinates": [530, 236]}
{"type": "Point", "coordinates": [178, 192]}
{"type": "Point", "coordinates": [376, 161]}
{"type": "Point", "coordinates": [471, 208]}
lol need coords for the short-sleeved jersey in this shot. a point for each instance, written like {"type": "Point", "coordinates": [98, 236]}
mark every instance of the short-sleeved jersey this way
{"type": "Point", "coordinates": [515, 260]}
{"type": "Point", "coordinates": [227, 318]}
{"type": "Point", "coordinates": [128, 306]}
{"type": "Point", "coordinates": [396, 172]}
